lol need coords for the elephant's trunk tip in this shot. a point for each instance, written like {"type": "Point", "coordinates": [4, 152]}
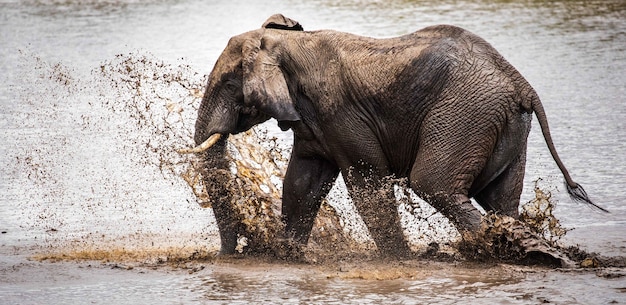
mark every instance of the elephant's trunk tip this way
{"type": "Point", "coordinates": [202, 147]}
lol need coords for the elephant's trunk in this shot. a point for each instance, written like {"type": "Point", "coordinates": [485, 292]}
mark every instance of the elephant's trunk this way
{"type": "Point", "coordinates": [218, 181]}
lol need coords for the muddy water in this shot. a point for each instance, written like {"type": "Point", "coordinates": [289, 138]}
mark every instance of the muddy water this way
{"type": "Point", "coordinates": [92, 93]}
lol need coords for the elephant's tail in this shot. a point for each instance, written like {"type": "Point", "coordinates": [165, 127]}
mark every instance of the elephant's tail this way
{"type": "Point", "coordinates": [575, 190]}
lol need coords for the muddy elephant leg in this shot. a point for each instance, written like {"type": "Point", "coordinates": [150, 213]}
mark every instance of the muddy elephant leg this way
{"type": "Point", "coordinates": [446, 191]}
{"type": "Point", "coordinates": [457, 208]}
{"type": "Point", "coordinates": [306, 184]}
{"type": "Point", "coordinates": [503, 194]}
{"type": "Point", "coordinates": [375, 201]}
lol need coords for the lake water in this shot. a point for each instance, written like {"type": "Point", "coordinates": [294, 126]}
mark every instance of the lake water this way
{"type": "Point", "coordinates": [78, 168]}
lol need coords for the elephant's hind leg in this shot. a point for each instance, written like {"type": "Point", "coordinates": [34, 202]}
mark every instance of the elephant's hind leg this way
{"type": "Point", "coordinates": [502, 195]}
{"type": "Point", "coordinates": [456, 207]}
{"type": "Point", "coordinates": [375, 200]}
{"type": "Point", "coordinates": [445, 186]}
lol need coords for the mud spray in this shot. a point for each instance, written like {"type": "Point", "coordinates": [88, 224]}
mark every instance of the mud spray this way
{"type": "Point", "coordinates": [135, 111]}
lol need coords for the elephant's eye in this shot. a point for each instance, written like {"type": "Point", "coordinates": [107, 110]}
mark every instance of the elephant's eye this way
{"type": "Point", "coordinates": [231, 86]}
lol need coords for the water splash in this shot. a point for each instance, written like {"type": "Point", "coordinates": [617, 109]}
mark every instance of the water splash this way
{"type": "Point", "coordinates": [89, 170]}
{"type": "Point", "coordinates": [538, 214]}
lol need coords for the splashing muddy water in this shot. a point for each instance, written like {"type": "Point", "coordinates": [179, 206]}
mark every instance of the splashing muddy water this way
{"type": "Point", "coordinates": [93, 207]}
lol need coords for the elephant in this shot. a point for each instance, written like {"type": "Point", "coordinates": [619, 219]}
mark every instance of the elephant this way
{"type": "Point", "coordinates": [439, 108]}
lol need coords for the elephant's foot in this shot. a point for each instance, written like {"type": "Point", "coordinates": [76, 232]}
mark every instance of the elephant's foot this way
{"type": "Point", "coordinates": [226, 250]}
{"type": "Point", "coordinates": [234, 240]}
{"type": "Point", "coordinates": [460, 211]}
{"type": "Point", "coordinates": [289, 250]}
{"type": "Point", "coordinates": [390, 238]}
{"type": "Point", "coordinates": [396, 251]}
{"type": "Point", "coordinates": [228, 241]}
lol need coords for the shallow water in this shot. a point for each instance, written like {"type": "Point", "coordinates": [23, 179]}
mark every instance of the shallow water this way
{"type": "Point", "coordinates": [77, 171]}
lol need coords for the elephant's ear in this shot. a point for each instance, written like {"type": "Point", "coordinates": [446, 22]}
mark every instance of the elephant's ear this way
{"type": "Point", "coordinates": [264, 85]}
{"type": "Point", "coordinates": [281, 22]}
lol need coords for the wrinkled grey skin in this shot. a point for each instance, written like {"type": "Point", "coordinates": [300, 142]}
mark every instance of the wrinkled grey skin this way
{"type": "Point", "coordinates": [440, 107]}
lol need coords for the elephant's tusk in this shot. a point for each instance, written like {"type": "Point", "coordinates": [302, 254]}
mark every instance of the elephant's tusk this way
{"type": "Point", "coordinates": [202, 147]}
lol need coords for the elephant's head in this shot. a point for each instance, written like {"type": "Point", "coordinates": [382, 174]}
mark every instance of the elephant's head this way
{"type": "Point", "coordinates": [245, 88]}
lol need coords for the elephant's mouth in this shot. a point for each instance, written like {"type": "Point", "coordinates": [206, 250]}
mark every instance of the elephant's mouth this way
{"type": "Point", "coordinates": [249, 117]}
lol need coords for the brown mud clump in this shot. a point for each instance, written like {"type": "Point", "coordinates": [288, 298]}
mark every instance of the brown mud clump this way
{"type": "Point", "coordinates": [531, 240]}
{"type": "Point", "coordinates": [505, 239]}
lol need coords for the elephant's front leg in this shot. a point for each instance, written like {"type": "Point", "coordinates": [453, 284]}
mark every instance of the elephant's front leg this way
{"type": "Point", "coordinates": [307, 181]}
{"type": "Point", "coordinates": [375, 200]}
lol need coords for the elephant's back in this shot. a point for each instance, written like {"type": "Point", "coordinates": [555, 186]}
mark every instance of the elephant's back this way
{"type": "Point", "coordinates": [445, 33]}
{"type": "Point", "coordinates": [456, 43]}
{"type": "Point", "coordinates": [468, 56]}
